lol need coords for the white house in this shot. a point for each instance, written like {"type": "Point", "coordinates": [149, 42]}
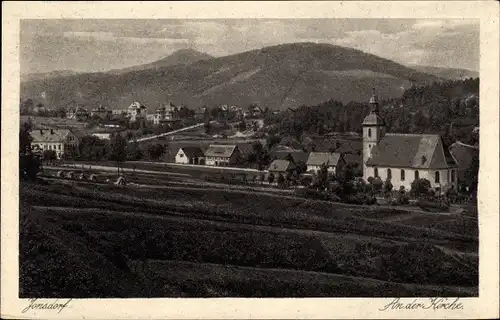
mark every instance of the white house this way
{"type": "Point", "coordinates": [136, 111]}
{"type": "Point", "coordinates": [331, 160]}
{"type": "Point", "coordinates": [222, 155]}
{"type": "Point", "coordinates": [62, 141]}
{"type": "Point", "coordinates": [190, 155]}
{"type": "Point", "coordinates": [403, 158]}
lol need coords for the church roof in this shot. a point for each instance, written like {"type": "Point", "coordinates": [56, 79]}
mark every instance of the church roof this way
{"type": "Point", "coordinates": [373, 119]}
{"type": "Point", "coordinates": [419, 151]}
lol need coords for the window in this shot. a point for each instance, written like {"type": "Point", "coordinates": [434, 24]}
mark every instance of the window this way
{"type": "Point", "coordinates": [389, 174]}
{"type": "Point", "coordinates": [369, 132]}
{"type": "Point", "coordinates": [181, 155]}
{"type": "Point", "coordinates": [416, 175]}
{"type": "Point", "coordinates": [376, 172]}
{"type": "Point", "coordinates": [436, 177]}
{"type": "Point", "coordinates": [402, 175]}
{"type": "Point", "coordinates": [452, 175]}
{"type": "Point", "coordinates": [59, 147]}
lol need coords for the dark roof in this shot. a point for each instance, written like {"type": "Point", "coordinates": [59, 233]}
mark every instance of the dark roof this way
{"type": "Point", "coordinates": [463, 154]}
{"type": "Point", "coordinates": [49, 135]}
{"type": "Point", "coordinates": [192, 152]}
{"type": "Point", "coordinates": [297, 156]}
{"type": "Point", "coordinates": [221, 150]}
{"type": "Point", "coordinates": [320, 158]}
{"type": "Point", "coordinates": [422, 151]}
{"type": "Point", "coordinates": [281, 166]}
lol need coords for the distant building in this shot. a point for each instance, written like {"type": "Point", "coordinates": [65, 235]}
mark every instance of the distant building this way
{"type": "Point", "coordinates": [403, 158]}
{"type": "Point", "coordinates": [101, 112]}
{"type": "Point", "coordinates": [281, 166]}
{"type": "Point", "coordinates": [256, 111]}
{"type": "Point", "coordinates": [118, 112]}
{"type": "Point", "coordinates": [79, 114]}
{"type": "Point", "coordinates": [136, 111]}
{"type": "Point", "coordinates": [190, 155]}
{"type": "Point", "coordinates": [201, 114]}
{"type": "Point", "coordinates": [332, 161]}
{"type": "Point", "coordinates": [298, 156]}
{"type": "Point", "coordinates": [62, 141]}
{"type": "Point", "coordinates": [222, 155]}
{"type": "Point", "coordinates": [166, 112]}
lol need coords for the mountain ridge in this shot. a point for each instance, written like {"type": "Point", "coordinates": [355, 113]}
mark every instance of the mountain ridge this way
{"type": "Point", "coordinates": [278, 77]}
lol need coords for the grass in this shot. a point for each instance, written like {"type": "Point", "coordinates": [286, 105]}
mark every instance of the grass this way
{"type": "Point", "coordinates": [259, 245]}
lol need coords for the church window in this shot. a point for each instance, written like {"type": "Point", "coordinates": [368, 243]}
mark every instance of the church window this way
{"type": "Point", "coordinates": [436, 177]}
{"type": "Point", "coordinates": [416, 175]}
{"type": "Point", "coordinates": [452, 175]}
{"type": "Point", "coordinates": [376, 172]}
{"type": "Point", "coordinates": [402, 175]}
{"type": "Point", "coordinates": [389, 174]}
{"type": "Point", "coordinates": [369, 132]}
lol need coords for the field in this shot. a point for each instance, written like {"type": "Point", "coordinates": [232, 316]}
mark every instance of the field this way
{"type": "Point", "coordinates": [85, 240]}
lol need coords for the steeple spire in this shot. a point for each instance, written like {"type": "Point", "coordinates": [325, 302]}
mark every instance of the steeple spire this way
{"type": "Point", "coordinates": [374, 102]}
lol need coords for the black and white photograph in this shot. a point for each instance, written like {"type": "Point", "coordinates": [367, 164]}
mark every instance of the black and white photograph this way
{"type": "Point", "coordinates": [249, 158]}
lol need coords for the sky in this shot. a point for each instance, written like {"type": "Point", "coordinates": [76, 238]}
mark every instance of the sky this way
{"type": "Point", "coordinates": [87, 45]}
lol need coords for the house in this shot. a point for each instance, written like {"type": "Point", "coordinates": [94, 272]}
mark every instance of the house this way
{"type": "Point", "coordinates": [166, 112]}
{"type": "Point", "coordinates": [281, 166]}
{"type": "Point", "coordinates": [63, 141]}
{"type": "Point", "coordinates": [190, 155]}
{"type": "Point", "coordinates": [201, 114]}
{"type": "Point", "coordinates": [136, 111]}
{"type": "Point", "coordinates": [403, 158]}
{"type": "Point", "coordinates": [255, 111]}
{"type": "Point", "coordinates": [101, 112]}
{"type": "Point", "coordinates": [118, 112]}
{"type": "Point", "coordinates": [222, 155]}
{"type": "Point", "coordinates": [79, 114]}
{"type": "Point", "coordinates": [298, 156]}
{"type": "Point", "coordinates": [332, 161]}
{"type": "Point", "coordinates": [463, 154]}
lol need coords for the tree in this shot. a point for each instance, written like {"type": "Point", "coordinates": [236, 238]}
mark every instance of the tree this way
{"type": "Point", "coordinates": [242, 126]}
{"type": "Point", "coordinates": [420, 187]}
{"type": "Point", "coordinates": [388, 186]}
{"type": "Point", "coordinates": [281, 180]}
{"type": "Point", "coordinates": [134, 153]}
{"type": "Point", "coordinates": [156, 151]}
{"type": "Point", "coordinates": [321, 177]}
{"type": "Point", "coordinates": [49, 155]}
{"type": "Point", "coordinates": [471, 175]}
{"type": "Point", "coordinates": [118, 146]}
{"type": "Point", "coordinates": [208, 127]}
{"type": "Point", "coordinates": [270, 178]}
{"type": "Point", "coordinates": [29, 164]}
{"type": "Point", "coordinates": [272, 140]}
{"type": "Point", "coordinates": [377, 184]}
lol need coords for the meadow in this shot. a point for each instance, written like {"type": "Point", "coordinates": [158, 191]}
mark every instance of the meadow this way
{"type": "Point", "coordinates": [85, 240]}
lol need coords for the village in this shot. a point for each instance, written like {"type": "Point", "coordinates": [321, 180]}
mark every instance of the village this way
{"type": "Point", "coordinates": [231, 145]}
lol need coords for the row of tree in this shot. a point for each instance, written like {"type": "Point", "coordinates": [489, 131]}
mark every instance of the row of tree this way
{"type": "Point", "coordinates": [449, 108]}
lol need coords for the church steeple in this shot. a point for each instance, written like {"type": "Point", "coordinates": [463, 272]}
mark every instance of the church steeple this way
{"type": "Point", "coordinates": [374, 102]}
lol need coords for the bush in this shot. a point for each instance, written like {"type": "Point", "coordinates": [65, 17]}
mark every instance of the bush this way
{"type": "Point", "coordinates": [432, 206]}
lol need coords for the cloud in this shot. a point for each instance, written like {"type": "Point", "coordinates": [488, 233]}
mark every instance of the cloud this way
{"type": "Point", "coordinates": [110, 36]}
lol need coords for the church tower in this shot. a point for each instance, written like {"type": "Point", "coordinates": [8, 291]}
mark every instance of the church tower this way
{"type": "Point", "coordinates": [373, 131]}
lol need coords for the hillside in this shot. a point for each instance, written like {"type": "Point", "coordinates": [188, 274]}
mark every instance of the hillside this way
{"type": "Point", "coordinates": [277, 77]}
{"type": "Point", "coordinates": [447, 73]}
{"type": "Point", "coordinates": [183, 56]}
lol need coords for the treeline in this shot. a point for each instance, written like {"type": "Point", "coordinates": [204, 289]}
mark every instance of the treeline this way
{"type": "Point", "coordinates": [448, 108]}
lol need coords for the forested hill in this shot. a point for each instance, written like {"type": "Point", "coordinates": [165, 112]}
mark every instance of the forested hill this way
{"type": "Point", "coordinates": [448, 108]}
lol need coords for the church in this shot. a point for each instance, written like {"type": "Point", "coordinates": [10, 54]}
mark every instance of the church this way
{"type": "Point", "coordinates": [403, 158]}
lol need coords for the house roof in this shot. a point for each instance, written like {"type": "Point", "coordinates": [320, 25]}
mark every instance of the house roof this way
{"type": "Point", "coordinates": [279, 165]}
{"type": "Point", "coordinates": [192, 151]}
{"type": "Point", "coordinates": [220, 150]}
{"type": "Point", "coordinates": [48, 135]}
{"type": "Point", "coordinates": [463, 154]}
{"type": "Point", "coordinates": [320, 158]}
{"type": "Point", "coordinates": [297, 155]}
{"type": "Point", "coordinates": [422, 151]}
{"type": "Point", "coordinates": [137, 105]}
